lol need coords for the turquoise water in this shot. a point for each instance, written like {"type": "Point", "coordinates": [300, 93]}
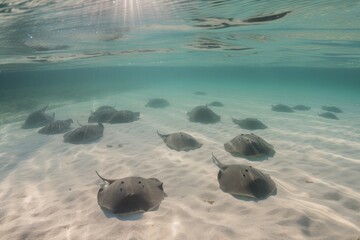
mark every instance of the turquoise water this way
{"type": "Point", "coordinates": [79, 55]}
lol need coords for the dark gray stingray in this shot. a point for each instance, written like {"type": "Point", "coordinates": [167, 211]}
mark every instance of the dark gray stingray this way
{"type": "Point", "coordinates": [249, 145]}
{"type": "Point", "coordinates": [331, 109]}
{"type": "Point", "coordinates": [216, 104]}
{"type": "Point", "coordinates": [249, 123]}
{"type": "Point", "coordinates": [58, 126]}
{"type": "Point", "coordinates": [157, 103]}
{"type": "Point", "coordinates": [38, 119]}
{"type": "Point", "coordinates": [102, 116]}
{"type": "Point", "coordinates": [301, 108]}
{"type": "Point", "coordinates": [124, 116]}
{"type": "Point", "coordinates": [245, 181]}
{"type": "Point", "coordinates": [203, 114]}
{"type": "Point", "coordinates": [131, 194]}
{"type": "Point", "coordinates": [281, 108]}
{"type": "Point", "coordinates": [105, 107]}
{"type": "Point", "coordinates": [84, 134]}
{"type": "Point", "coordinates": [180, 141]}
{"type": "Point", "coordinates": [328, 115]}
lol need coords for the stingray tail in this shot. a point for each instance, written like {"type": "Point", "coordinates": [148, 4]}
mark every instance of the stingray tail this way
{"type": "Point", "coordinates": [217, 162]}
{"type": "Point", "coordinates": [105, 179]}
{"type": "Point", "coordinates": [161, 135]}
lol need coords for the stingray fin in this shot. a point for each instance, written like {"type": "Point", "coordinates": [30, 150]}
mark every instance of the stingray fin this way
{"type": "Point", "coordinates": [218, 163]}
{"type": "Point", "coordinates": [110, 181]}
{"type": "Point", "coordinates": [79, 123]}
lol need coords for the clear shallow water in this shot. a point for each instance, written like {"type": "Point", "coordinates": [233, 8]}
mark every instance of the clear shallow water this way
{"type": "Point", "coordinates": [79, 56]}
{"type": "Point", "coordinates": [63, 34]}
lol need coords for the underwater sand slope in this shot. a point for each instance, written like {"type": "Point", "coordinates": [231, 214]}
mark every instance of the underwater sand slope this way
{"type": "Point", "coordinates": [48, 188]}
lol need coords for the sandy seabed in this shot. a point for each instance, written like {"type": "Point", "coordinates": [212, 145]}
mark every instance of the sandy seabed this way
{"type": "Point", "coordinates": [48, 188]}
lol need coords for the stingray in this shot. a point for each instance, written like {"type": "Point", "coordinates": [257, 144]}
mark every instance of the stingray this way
{"type": "Point", "coordinates": [281, 108]}
{"type": "Point", "coordinates": [216, 104]}
{"type": "Point", "coordinates": [84, 134]}
{"type": "Point", "coordinates": [249, 145]}
{"type": "Point", "coordinates": [124, 116]}
{"type": "Point", "coordinates": [331, 109]}
{"type": "Point", "coordinates": [58, 126]}
{"type": "Point", "coordinates": [249, 123]}
{"type": "Point", "coordinates": [203, 114]}
{"type": "Point", "coordinates": [245, 181]}
{"type": "Point", "coordinates": [105, 107]}
{"type": "Point", "coordinates": [301, 108]}
{"type": "Point", "coordinates": [102, 115]}
{"type": "Point", "coordinates": [157, 103]}
{"type": "Point", "coordinates": [328, 115]}
{"type": "Point", "coordinates": [130, 195]}
{"type": "Point", "coordinates": [38, 119]}
{"type": "Point", "coordinates": [180, 141]}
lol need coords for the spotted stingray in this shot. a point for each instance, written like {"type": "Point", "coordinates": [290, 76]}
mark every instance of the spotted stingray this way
{"type": "Point", "coordinates": [58, 126]}
{"type": "Point", "coordinates": [124, 116]}
{"type": "Point", "coordinates": [84, 134]}
{"type": "Point", "coordinates": [203, 114]}
{"type": "Point", "coordinates": [180, 141]}
{"type": "Point", "coordinates": [249, 123]}
{"type": "Point", "coordinates": [249, 145]}
{"type": "Point", "coordinates": [130, 195]}
{"type": "Point", "coordinates": [245, 181]}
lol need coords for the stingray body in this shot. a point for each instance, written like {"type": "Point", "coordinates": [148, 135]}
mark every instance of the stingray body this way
{"type": "Point", "coordinates": [331, 109]}
{"type": "Point", "coordinates": [328, 115]}
{"type": "Point", "coordinates": [105, 107]}
{"type": "Point", "coordinates": [157, 103]}
{"type": "Point", "coordinates": [180, 141]}
{"type": "Point", "coordinates": [102, 115]}
{"type": "Point", "coordinates": [216, 104]}
{"type": "Point", "coordinates": [245, 181]}
{"type": "Point", "coordinates": [37, 119]}
{"type": "Point", "coordinates": [55, 127]}
{"type": "Point", "coordinates": [84, 134]}
{"type": "Point", "coordinates": [124, 116]}
{"type": "Point", "coordinates": [131, 194]}
{"type": "Point", "coordinates": [301, 108]}
{"type": "Point", "coordinates": [249, 145]}
{"type": "Point", "coordinates": [249, 123]}
{"type": "Point", "coordinates": [281, 108]}
{"type": "Point", "coordinates": [203, 114]}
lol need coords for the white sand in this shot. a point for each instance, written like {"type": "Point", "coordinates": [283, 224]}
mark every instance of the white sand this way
{"type": "Point", "coordinates": [48, 188]}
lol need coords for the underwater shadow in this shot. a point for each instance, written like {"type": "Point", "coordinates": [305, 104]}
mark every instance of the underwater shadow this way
{"type": "Point", "coordinates": [83, 142]}
{"type": "Point", "coordinates": [254, 158]}
{"type": "Point", "coordinates": [126, 217]}
{"type": "Point", "coordinates": [250, 199]}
